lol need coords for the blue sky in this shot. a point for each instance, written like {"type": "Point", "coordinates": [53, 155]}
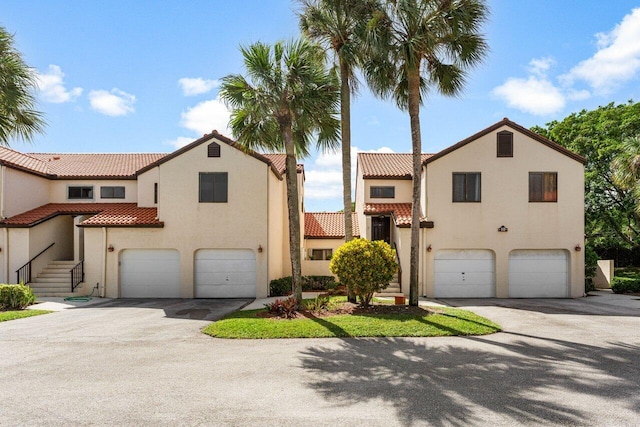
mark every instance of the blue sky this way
{"type": "Point", "coordinates": [141, 76]}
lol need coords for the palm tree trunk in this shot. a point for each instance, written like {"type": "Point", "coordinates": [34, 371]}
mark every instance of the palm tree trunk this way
{"type": "Point", "coordinates": [345, 117]}
{"type": "Point", "coordinates": [413, 78]}
{"type": "Point", "coordinates": [291, 175]}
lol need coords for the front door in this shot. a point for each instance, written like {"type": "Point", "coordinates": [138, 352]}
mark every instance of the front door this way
{"type": "Point", "coordinates": [381, 228]}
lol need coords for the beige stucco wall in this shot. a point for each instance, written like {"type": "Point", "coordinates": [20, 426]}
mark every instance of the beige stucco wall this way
{"type": "Point", "coordinates": [16, 251]}
{"type": "Point", "coordinates": [277, 228]}
{"type": "Point", "coordinates": [22, 192]}
{"type": "Point", "coordinates": [146, 183]}
{"type": "Point", "coordinates": [402, 192]}
{"type": "Point", "coordinates": [59, 191]}
{"type": "Point", "coordinates": [318, 267]}
{"type": "Point", "coordinates": [241, 223]}
{"type": "Point", "coordinates": [505, 201]}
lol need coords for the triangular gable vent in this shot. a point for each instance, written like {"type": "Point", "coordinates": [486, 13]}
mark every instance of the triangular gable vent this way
{"type": "Point", "coordinates": [213, 150]}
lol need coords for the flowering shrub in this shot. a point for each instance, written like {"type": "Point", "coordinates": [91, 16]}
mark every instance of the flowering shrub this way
{"type": "Point", "coordinates": [364, 266]}
{"type": "Point", "coordinates": [286, 308]}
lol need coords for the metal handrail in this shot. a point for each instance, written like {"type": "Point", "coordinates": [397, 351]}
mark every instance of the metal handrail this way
{"type": "Point", "coordinates": [77, 275]}
{"type": "Point", "coordinates": [399, 267]}
{"type": "Point", "coordinates": [25, 271]}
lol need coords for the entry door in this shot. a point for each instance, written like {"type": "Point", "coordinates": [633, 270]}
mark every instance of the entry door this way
{"type": "Point", "coordinates": [381, 228]}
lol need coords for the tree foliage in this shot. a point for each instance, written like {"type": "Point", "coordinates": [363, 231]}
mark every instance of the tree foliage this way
{"type": "Point", "coordinates": [365, 266]}
{"type": "Point", "coordinates": [287, 99]}
{"type": "Point", "coordinates": [18, 118]}
{"type": "Point", "coordinates": [611, 215]}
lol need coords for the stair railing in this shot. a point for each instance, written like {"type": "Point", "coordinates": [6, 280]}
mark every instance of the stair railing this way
{"type": "Point", "coordinates": [77, 275]}
{"type": "Point", "coordinates": [399, 267]}
{"type": "Point", "coordinates": [24, 272]}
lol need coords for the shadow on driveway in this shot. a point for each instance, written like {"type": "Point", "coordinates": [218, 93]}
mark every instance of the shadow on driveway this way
{"type": "Point", "coordinates": [193, 309]}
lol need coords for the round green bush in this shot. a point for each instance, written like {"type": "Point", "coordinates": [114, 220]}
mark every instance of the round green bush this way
{"type": "Point", "coordinates": [16, 297]}
{"type": "Point", "coordinates": [364, 266]}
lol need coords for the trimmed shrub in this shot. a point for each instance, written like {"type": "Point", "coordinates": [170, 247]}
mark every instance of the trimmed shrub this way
{"type": "Point", "coordinates": [318, 283]}
{"type": "Point", "coordinates": [364, 266]}
{"type": "Point", "coordinates": [16, 297]}
{"type": "Point", "coordinates": [621, 284]}
{"type": "Point", "coordinates": [590, 266]}
{"type": "Point", "coordinates": [280, 287]}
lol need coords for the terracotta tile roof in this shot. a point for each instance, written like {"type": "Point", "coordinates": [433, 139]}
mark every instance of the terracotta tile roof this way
{"type": "Point", "coordinates": [387, 165]}
{"type": "Point", "coordinates": [105, 215]}
{"type": "Point", "coordinates": [327, 225]}
{"type": "Point", "coordinates": [401, 213]}
{"type": "Point", "coordinates": [279, 162]}
{"type": "Point", "coordinates": [96, 165]}
{"type": "Point", "coordinates": [22, 161]}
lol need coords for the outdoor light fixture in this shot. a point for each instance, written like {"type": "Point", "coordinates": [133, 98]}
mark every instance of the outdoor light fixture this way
{"type": "Point", "coordinates": [578, 248]}
{"type": "Point", "coordinates": [110, 248]}
{"type": "Point", "coordinates": [429, 248]}
{"type": "Point", "coordinates": [260, 248]}
{"type": "Point", "coordinates": [503, 229]}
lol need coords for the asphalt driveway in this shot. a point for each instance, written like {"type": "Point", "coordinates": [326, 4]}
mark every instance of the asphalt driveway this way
{"type": "Point", "coordinates": [145, 362]}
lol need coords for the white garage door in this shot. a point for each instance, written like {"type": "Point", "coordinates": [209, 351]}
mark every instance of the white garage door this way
{"type": "Point", "coordinates": [538, 274]}
{"type": "Point", "coordinates": [150, 273]}
{"type": "Point", "coordinates": [468, 273]}
{"type": "Point", "coordinates": [225, 273]}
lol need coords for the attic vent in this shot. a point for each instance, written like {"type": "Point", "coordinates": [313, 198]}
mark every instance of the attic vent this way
{"type": "Point", "coordinates": [213, 150]}
{"type": "Point", "coordinates": [505, 144]}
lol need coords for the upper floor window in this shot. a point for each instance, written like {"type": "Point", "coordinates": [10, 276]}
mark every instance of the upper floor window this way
{"type": "Point", "coordinates": [155, 192]}
{"type": "Point", "coordinates": [466, 186]}
{"type": "Point", "coordinates": [112, 192]}
{"type": "Point", "coordinates": [505, 144]}
{"type": "Point", "coordinates": [213, 187]}
{"type": "Point", "coordinates": [382, 192]}
{"type": "Point", "coordinates": [543, 186]}
{"type": "Point", "coordinates": [80, 192]}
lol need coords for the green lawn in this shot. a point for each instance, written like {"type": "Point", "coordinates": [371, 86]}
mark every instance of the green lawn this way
{"type": "Point", "coordinates": [19, 314]}
{"type": "Point", "coordinates": [445, 322]}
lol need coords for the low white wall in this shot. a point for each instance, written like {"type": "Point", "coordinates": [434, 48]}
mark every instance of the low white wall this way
{"type": "Point", "coordinates": [604, 274]}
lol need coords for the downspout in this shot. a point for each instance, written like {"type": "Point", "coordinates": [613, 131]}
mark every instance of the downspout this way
{"type": "Point", "coordinates": [103, 291]}
{"type": "Point", "coordinates": [6, 255]}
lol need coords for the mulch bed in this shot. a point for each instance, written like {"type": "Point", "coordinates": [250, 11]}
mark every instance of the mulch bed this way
{"type": "Point", "coordinates": [350, 308]}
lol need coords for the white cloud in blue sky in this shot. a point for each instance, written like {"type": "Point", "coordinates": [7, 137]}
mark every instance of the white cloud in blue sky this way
{"type": "Point", "coordinates": [197, 86]}
{"type": "Point", "coordinates": [207, 116]}
{"type": "Point", "coordinates": [112, 103]}
{"type": "Point", "coordinates": [52, 87]}
{"type": "Point", "coordinates": [617, 60]}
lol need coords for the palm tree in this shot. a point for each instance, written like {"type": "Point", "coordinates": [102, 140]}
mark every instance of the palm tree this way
{"type": "Point", "coordinates": [288, 98]}
{"type": "Point", "coordinates": [18, 119]}
{"type": "Point", "coordinates": [337, 25]}
{"type": "Point", "coordinates": [626, 172]}
{"type": "Point", "coordinates": [422, 45]}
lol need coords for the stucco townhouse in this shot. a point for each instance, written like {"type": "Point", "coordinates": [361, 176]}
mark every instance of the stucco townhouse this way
{"type": "Point", "coordinates": [502, 212]}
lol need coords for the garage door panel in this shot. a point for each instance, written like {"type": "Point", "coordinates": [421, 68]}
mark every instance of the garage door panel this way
{"type": "Point", "coordinates": [225, 273]}
{"type": "Point", "coordinates": [464, 274]}
{"type": "Point", "coordinates": [150, 273]}
{"type": "Point", "coordinates": [538, 274]}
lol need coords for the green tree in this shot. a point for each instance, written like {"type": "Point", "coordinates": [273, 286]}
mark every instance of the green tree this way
{"type": "Point", "coordinates": [611, 215]}
{"type": "Point", "coordinates": [421, 46]}
{"type": "Point", "coordinates": [18, 118]}
{"type": "Point", "coordinates": [336, 25]}
{"type": "Point", "coordinates": [288, 98]}
{"type": "Point", "coordinates": [365, 266]}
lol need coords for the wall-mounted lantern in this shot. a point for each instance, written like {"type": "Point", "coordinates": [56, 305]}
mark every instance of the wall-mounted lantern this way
{"type": "Point", "coordinates": [429, 249]}
{"type": "Point", "coordinates": [259, 248]}
{"type": "Point", "coordinates": [110, 248]}
{"type": "Point", "coordinates": [578, 248]}
{"type": "Point", "coordinates": [503, 229]}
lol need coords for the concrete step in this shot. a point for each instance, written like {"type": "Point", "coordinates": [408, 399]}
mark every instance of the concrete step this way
{"type": "Point", "coordinates": [63, 262]}
{"type": "Point", "coordinates": [49, 285]}
{"type": "Point", "coordinates": [54, 279]}
{"type": "Point", "coordinates": [393, 288]}
{"type": "Point", "coordinates": [55, 271]}
{"type": "Point", "coordinates": [55, 294]}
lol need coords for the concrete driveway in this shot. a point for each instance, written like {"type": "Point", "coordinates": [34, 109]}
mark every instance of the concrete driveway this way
{"type": "Point", "coordinates": [569, 362]}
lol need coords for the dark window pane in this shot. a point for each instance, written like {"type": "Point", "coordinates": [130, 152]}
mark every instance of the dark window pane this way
{"type": "Point", "coordinates": [220, 187]}
{"type": "Point", "coordinates": [543, 186]}
{"type": "Point", "coordinates": [214, 187]}
{"type": "Point", "coordinates": [459, 184]}
{"type": "Point", "coordinates": [473, 187]}
{"type": "Point", "coordinates": [550, 187]}
{"type": "Point", "coordinates": [382, 192]}
{"type": "Point", "coordinates": [206, 187]}
{"type": "Point", "coordinates": [155, 192]}
{"type": "Point", "coordinates": [112, 192]}
{"type": "Point", "coordinates": [80, 193]}
{"type": "Point", "coordinates": [505, 144]}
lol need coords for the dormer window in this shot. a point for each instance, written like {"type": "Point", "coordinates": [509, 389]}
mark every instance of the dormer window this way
{"type": "Point", "coordinates": [382, 192]}
{"type": "Point", "coordinates": [213, 150]}
{"type": "Point", "coordinates": [505, 144]}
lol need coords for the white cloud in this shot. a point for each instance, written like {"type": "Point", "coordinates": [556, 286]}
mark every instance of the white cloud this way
{"type": "Point", "coordinates": [112, 103]}
{"type": "Point", "coordinates": [617, 59]}
{"type": "Point", "coordinates": [52, 89]}
{"type": "Point", "coordinates": [535, 95]}
{"type": "Point", "coordinates": [540, 66]}
{"type": "Point", "coordinates": [196, 86]}
{"type": "Point", "coordinates": [180, 141]}
{"type": "Point", "coordinates": [207, 116]}
{"type": "Point", "coordinates": [324, 176]}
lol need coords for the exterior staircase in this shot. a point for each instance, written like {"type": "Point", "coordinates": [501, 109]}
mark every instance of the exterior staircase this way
{"type": "Point", "coordinates": [392, 289]}
{"type": "Point", "coordinates": [54, 280]}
